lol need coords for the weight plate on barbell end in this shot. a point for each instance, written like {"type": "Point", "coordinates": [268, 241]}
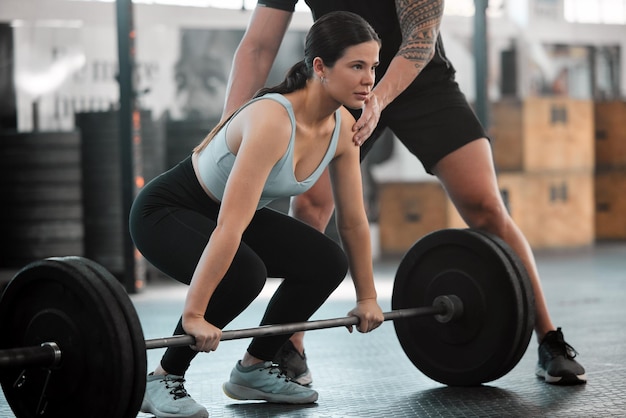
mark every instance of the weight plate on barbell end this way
{"type": "Point", "coordinates": [522, 312]}
{"type": "Point", "coordinates": [473, 349]}
{"type": "Point", "coordinates": [50, 300]}
{"type": "Point", "coordinates": [120, 329]}
{"type": "Point", "coordinates": [137, 364]}
{"type": "Point", "coordinates": [527, 323]}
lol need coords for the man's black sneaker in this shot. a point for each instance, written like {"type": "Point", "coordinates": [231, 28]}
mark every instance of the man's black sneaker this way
{"type": "Point", "coordinates": [556, 361]}
{"type": "Point", "coordinates": [293, 364]}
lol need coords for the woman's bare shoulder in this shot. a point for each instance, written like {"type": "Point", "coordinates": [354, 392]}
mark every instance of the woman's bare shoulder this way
{"type": "Point", "coordinates": [264, 117]}
{"type": "Point", "coordinates": [347, 122]}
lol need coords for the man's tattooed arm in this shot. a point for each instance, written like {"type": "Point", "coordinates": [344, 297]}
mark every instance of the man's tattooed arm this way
{"type": "Point", "coordinates": [419, 22]}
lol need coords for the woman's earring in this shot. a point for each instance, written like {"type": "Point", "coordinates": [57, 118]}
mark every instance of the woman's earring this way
{"type": "Point", "coordinates": [323, 80]}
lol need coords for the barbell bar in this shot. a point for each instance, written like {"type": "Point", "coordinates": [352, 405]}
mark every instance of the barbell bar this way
{"type": "Point", "coordinates": [49, 354]}
{"type": "Point", "coordinates": [444, 308]}
{"type": "Point", "coordinates": [462, 305]}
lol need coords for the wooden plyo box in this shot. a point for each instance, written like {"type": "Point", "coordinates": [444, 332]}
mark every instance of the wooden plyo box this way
{"type": "Point", "coordinates": [553, 210]}
{"type": "Point", "coordinates": [410, 210]}
{"type": "Point", "coordinates": [610, 133]}
{"type": "Point", "coordinates": [543, 134]}
{"type": "Point", "coordinates": [610, 214]}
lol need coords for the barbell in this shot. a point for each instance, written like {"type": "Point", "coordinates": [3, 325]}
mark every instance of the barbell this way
{"type": "Point", "coordinates": [72, 342]}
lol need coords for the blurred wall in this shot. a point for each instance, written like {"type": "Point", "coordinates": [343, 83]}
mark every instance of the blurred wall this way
{"type": "Point", "coordinates": [65, 59]}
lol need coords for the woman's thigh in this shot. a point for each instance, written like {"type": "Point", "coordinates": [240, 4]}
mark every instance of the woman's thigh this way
{"type": "Point", "coordinates": [292, 249]}
{"type": "Point", "coordinates": [173, 239]}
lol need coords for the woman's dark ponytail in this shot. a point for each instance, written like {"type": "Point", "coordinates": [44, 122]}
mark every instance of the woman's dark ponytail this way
{"type": "Point", "coordinates": [294, 80]}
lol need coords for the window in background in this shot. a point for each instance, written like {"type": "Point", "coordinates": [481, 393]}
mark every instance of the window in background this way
{"type": "Point", "coordinates": [222, 4]}
{"type": "Point", "coordinates": [466, 7]}
{"type": "Point", "coordinates": [452, 7]}
{"type": "Point", "coordinates": [597, 11]}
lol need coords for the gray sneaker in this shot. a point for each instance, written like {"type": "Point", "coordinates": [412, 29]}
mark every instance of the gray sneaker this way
{"type": "Point", "coordinates": [166, 397]}
{"type": "Point", "coordinates": [265, 382]}
{"type": "Point", "coordinates": [293, 364]}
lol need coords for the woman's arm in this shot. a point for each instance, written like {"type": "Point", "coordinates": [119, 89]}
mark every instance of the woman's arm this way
{"type": "Point", "coordinates": [255, 158]}
{"type": "Point", "coordinates": [353, 227]}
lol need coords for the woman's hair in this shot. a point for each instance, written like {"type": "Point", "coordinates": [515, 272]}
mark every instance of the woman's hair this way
{"type": "Point", "coordinates": [328, 38]}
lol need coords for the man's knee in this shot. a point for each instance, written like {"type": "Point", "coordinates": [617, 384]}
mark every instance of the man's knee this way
{"type": "Point", "coordinates": [488, 215]}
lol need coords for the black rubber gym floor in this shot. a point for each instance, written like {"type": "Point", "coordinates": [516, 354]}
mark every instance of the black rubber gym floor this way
{"type": "Point", "coordinates": [369, 375]}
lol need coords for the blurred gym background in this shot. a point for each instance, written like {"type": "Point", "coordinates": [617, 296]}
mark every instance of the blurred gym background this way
{"type": "Point", "coordinates": [98, 97]}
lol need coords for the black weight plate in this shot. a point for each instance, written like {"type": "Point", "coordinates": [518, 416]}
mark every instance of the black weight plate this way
{"type": "Point", "coordinates": [471, 350]}
{"type": "Point", "coordinates": [527, 322]}
{"type": "Point", "coordinates": [133, 324]}
{"type": "Point", "coordinates": [50, 300]}
{"type": "Point", "coordinates": [121, 394]}
{"type": "Point", "coordinates": [127, 348]}
{"type": "Point", "coordinates": [521, 318]}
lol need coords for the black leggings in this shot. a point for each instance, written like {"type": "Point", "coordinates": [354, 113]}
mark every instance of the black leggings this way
{"type": "Point", "coordinates": [171, 221]}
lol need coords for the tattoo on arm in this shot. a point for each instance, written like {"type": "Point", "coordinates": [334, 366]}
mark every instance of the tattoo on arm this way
{"type": "Point", "coordinates": [419, 23]}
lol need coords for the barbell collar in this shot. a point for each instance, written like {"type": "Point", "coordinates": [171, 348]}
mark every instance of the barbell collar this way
{"type": "Point", "coordinates": [452, 306]}
{"type": "Point", "coordinates": [47, 354]}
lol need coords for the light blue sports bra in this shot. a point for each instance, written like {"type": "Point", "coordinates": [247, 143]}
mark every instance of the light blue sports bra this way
{"type": "Point", "coordinates": [215, 161]}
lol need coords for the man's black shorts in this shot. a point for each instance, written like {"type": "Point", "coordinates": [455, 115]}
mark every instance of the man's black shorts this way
{"type": "Point", "coordinates": [430, 123]}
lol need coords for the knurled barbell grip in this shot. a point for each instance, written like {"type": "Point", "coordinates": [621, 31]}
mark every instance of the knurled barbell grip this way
{"type": "Point", "coordinates": [279, 329]}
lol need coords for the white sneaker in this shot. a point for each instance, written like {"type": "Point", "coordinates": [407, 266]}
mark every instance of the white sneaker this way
{"type": "Point", "coordinates": [265, 382]}
{"type": "Point", "coordinates": [166, 397]}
